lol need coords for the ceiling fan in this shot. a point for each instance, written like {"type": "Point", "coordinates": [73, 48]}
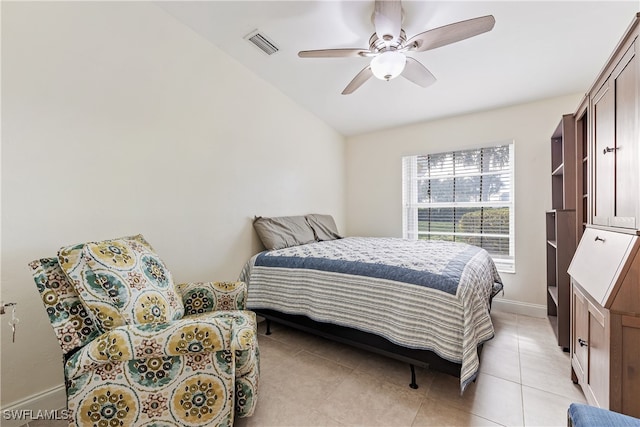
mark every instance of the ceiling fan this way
{"type": "Point", "coordinates": [388, 46]}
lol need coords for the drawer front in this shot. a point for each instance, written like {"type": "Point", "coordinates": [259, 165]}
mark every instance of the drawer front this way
{"type": "Point", "coordinates": [598, 261]}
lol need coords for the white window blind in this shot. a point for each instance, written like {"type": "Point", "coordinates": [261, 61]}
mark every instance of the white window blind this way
{"type": "Point", "coordinates": [463, 196]}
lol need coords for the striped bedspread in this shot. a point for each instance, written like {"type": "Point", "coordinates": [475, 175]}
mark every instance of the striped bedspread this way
{"type": "Point", "coordinates": [429, 295]}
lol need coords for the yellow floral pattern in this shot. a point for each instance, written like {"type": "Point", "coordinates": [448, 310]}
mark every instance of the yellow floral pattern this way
{"type": "Point", "coordinates": [114, 254]}
{"type": "Point", "coordinates": [199, 399]}
{"type": "Point", "coordinates": [194, 339]}
{"type": "Point", "coordinates": [122, 281]}
{"type": "Point", "coordinates": [151, 307]}
{"type": "Point", "coordinates": [109, 406]}
{"type": "Point", "coordinates": [201, 297]}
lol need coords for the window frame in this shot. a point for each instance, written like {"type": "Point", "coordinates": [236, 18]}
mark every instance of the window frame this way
{"type": "Point", "coordinates": [410, 204]}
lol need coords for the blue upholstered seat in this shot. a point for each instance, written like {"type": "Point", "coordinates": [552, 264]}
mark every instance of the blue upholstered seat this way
{"type": "Point", "coordinates": [590, 416]}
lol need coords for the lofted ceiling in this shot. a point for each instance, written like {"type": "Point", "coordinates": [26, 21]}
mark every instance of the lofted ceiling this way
{"type": "Point", "coordinates": [537, 49]}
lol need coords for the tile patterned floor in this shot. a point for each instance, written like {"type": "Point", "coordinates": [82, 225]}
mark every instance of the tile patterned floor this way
{"type": "Point", "coordinates": [305, 380]}
{"type": "Point", "coordinates": [524, 380]}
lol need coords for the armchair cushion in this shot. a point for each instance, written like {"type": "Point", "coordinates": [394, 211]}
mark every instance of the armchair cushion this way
{"type": "Point", "coordinates": [188, 336]}
{"type": "Point", "coordinates": [122, 281]}
{"type": "Point", "coordinates": [202, 297]}
{"type": "Point", "coordinates": [181, 373]}
{"type": "Point", "coordinates": [71, 322]}
{"type": "Point", "coordinates": [197, 370]}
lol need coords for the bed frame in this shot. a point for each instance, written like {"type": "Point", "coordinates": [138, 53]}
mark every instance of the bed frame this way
{"type": "Point", "coordinates": [370, 342]}
{"type": "Point", "coordinates": [366, 341]}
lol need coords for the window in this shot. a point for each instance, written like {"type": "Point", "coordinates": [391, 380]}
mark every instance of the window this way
{"type": "Point", "coordinates": [462, 196]}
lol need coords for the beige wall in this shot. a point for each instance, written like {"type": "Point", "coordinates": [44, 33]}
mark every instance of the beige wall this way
{"type": "Point", "coordinates": [374, 186]}
{"type": "Point", "coordinates": [117, 119]}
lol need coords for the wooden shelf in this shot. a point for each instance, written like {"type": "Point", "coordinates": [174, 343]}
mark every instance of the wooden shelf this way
{"type": "Point", "coordinates": [560, 226]}
{"type": "Point", "coordinates": [559, 171]}
{"type": "Point", "coordinates": [553, 292]}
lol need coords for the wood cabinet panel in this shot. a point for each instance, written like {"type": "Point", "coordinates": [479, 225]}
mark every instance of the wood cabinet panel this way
{"type": "Point", "coordinates": [603, 160]}
{"type": "Point", "coordinates": [598, 355]}
{"type": "Point", "coordinates": [630, 390]}
{"type": "Point", "coordinates": [616, 162]}
{"type": "Point", "coordinates": [626, 154]}
{"type": "Point", "coordinates": [580, 334]}
{"type": "Point", "coordinates": [607, 362]}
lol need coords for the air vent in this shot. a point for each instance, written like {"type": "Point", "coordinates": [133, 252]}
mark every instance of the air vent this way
{"type": "Point", "coordinates": [263, 43]}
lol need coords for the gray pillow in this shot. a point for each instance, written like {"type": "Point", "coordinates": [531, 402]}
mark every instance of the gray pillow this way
{"type": "Point", "coordinates": [324, 227]}
{"type": "Point", "coordinates": [282, 232]}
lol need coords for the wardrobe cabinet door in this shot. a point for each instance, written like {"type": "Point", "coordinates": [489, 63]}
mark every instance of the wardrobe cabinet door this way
{"type": "Point", "coordinates": [580, 335]}
{"type": "Point", "coordinates": [604, 130]}
{"type": "Point", "coordinates": [598, 359]}
{"type": "Point", "coordinates": [625, 78]}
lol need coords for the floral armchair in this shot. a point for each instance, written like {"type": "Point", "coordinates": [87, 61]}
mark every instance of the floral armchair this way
{"type": "Point", "coordinates": [141, 351]}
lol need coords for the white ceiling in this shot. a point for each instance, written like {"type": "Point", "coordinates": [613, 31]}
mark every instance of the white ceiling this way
{"type": "Point", "coordinates": [537, 49]}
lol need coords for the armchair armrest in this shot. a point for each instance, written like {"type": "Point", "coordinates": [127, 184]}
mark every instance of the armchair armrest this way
{"type": "Point", "coordinates": [187, 336]}
{"type": "Point", "coordinates": [202, 297]}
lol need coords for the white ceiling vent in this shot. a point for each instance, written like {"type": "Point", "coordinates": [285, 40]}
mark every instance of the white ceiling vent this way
{"type": "Point", "coordinates": [262, 42]}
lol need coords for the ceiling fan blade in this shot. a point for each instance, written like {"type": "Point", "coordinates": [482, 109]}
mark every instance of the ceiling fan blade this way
{"type": "Point", "coordinates": [387, 19]}
{"type": "Point", "coordinates": [451, 33]}
{"type": "Point", "coordinates": [417, 73]}
{"type": "Point", "coordinates": [358, 80]}
{"type": "Point", "coordinates": [333, 53]}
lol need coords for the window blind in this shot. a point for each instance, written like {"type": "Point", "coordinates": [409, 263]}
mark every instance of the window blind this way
{"type": "Point", "coordinates": [463, 196]}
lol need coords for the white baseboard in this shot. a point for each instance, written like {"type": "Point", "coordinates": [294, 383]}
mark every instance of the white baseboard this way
{"type": "Point", "coordinates": [517, 307]}
{"type": "Point", "coordinates": [45, 405]}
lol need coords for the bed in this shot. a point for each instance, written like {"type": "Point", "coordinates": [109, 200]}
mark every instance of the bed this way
{"type": "Point", "coordinates": [424, 302]}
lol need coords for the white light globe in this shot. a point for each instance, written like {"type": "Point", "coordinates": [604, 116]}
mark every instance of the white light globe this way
{"type": "Point", "coordinates": [388, 65]}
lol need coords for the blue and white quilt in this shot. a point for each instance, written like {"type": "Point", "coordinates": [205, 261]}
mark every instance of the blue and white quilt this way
{"type": "Point", "coordinates": [421, 294]}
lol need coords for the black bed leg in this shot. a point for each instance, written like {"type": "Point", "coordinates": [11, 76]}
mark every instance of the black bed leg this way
{"type": "Point", "coordinates": [268, 327]}
{"type": "Point", "coordinates": [413, 384]}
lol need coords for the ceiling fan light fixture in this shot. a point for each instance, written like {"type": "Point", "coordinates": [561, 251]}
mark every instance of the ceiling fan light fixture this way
{"type": "Point", "coordinates": [388, 65]}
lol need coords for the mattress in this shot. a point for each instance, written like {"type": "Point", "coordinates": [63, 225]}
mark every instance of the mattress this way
{"type": "Point", "coordinates": [420, 294]}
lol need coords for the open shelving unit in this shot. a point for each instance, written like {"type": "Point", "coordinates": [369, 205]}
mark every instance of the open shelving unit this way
{"type": "Point", "coordinates": [561, 229]}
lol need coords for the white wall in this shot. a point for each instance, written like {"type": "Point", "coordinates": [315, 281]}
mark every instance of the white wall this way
{"type": "Point", "coordinates": [374, 185]}
{"type": "Point", "coordinates": [117, 119]}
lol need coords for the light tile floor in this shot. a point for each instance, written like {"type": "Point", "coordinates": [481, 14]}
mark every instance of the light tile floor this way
{"type": "Point", "coordinates": [305, 380]}
{"type": "Point", "coordinates": [524, 380]}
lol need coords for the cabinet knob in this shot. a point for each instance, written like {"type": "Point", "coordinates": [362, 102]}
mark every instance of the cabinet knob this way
{"type": "Point", "coordinates": [598, 238]}
{"type": "Point", "coordinates": [609, 150]}
{"type": "Point", "coordinates": [582, 342]}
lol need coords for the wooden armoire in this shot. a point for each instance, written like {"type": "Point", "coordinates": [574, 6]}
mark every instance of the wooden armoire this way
{"type": "Point", "coordinates": [605, 270]}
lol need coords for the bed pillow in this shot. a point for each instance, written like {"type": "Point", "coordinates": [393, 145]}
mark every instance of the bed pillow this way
{"type": "Point", "coordinates": [324, 227]}
{"type": "Point", "coordinates": [283, 232]}
{"type": "Point", "coordinates": [122, 281]}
